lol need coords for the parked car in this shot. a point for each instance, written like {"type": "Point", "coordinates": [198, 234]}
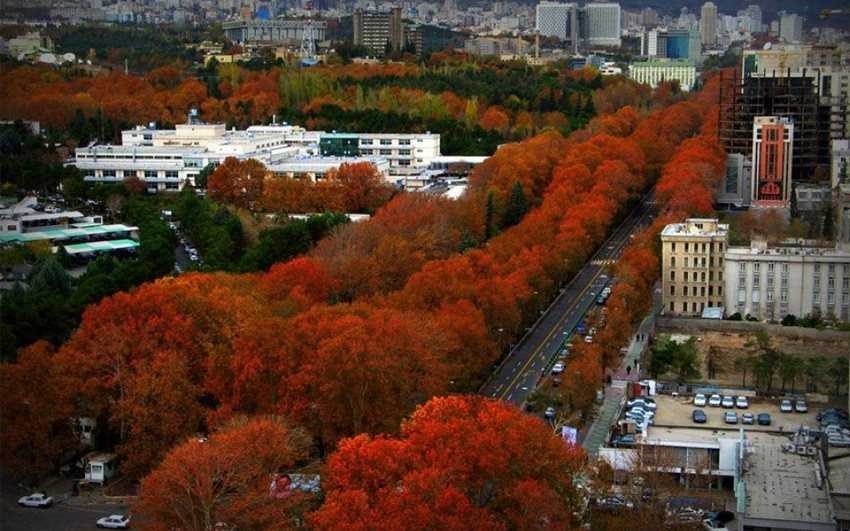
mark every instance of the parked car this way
{"type": "Point", "coordinates": [786, 406]}
{"type": "Point", "coordinates": [643, 408]}
{"type": "Point", "coordinates": [623, 440]}
{"type": "Point", "coordinates": [588, 339]}
{"type": "Point", "coordinates": [763, 419]}
{"type": "Point", "coordinates": [581, 329]}
{"type": "Point", "coordinates": [730, 417]}
{"type": "Point", "coordinates": [699, 416]}
{"type": "Point", "coordinates": [614, 503]}
{"type": "Point", "coordinates": [714, 401]}
{"type": "Point", "coordinates": [800, 406]}
{"type": "Point", "coordinates": [700, 400]}
{"type": "Point", "coordinates": [728, 402]}
{"type": "Point", "coordinates": [747, 418]}
{"type": "Point", "coordinates": [549, 413]}
{"type": "Point", "coordinates": [558, 368]}
{"type": "Point", "coordinates": [742, 403]}
{"type": "Point", "coordinates": [115, 521]}
{"type": "Point", "coordinates": [833, 411]}
{"type": "Point", "coordinates": [36, 499]}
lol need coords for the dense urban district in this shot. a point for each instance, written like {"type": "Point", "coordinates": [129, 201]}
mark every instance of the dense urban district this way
{"type": "Point", "coordinates": [278, 264]}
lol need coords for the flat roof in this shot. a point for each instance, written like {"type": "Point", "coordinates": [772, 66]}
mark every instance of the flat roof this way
{"type": "Point", "coordinates": [64, 234]}
{"type": "Point", "coordinates": [99, 247]}
{"type": "Point", "coordinates": [783, 486]}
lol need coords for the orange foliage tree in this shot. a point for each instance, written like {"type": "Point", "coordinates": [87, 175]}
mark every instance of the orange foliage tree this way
{"type": "Point", "coordinates": [448, 470]}
{"type": "Point", "coordinates": [238, 182]}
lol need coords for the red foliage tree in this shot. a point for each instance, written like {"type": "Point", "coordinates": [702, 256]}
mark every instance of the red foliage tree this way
{"type": "Point", "coordinates": [238, 182]}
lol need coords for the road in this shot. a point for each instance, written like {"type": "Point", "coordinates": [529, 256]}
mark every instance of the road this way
{"type": "Point", "coordinates": [518, 374]}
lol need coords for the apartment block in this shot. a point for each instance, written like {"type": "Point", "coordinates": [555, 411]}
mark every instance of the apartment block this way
{"type": "Point", "coordinates": [653, 73]}
{"type": "Point", "coordinates": [379, 31]}
{"type": "Point", "coordinates": [692, 265]}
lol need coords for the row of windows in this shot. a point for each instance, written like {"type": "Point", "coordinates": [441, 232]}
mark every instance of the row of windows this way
{"type": "Point", "coordinates": [697, 291]}
{"type": "Point", "coordinates": [699, 261]}
{"type": "Point", "coordinates": [696, 306]}
{"type": "Point", "coordinates": [696, 276]}
{"type": "Point", "coordinates": [699, 247]}
{"type": "Point", "coordinates": [147, 174]}
{"type": "Point", "coordinates": [129, 156]}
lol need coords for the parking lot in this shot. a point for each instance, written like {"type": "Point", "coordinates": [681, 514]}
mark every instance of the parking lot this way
{"type": "Point", "coordinates": [677, 412]}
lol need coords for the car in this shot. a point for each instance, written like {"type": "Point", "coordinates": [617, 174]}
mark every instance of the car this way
{"type": "Point", "coordinates": [614, 503]}
{"type": "Point", "coordinates": [558, 368]}
{"type": "Point", "coordinates": [588, 339]}
{"type": "Point", "coordinates": [730, 417]}
{"type": "Point", "coordinates": [623, 440]}
{"type": "Point", "coordinates": [643, 408]}
{"type": "Point", "coordinates": [700, 400]}
{"type": "Point", "coordinates": [747, 418]}
{"type": "Point", "coordinates": [36, 499]}
{"type": "Point", "coordinates": [641, 412]}
{"type": "Point", "coordinates": [742, 403]}
{"type": "Point", "coordinates": [581, 329]}
{"type": "Point", "coordinates": [549, 413]}
{"type": "Point", "coordinates": [763, 419]}
{"type": "Point", "coordinates": [114, 521]}
{"type": "Point", "coordinates": [714, 400]}
{"type": "Point", "coordinates": [699, 416]}
{"type": "Point", "coordinates": [786, 406]}
{"type": "Point", "coordinates": [833, 411]}
{"type": "Point", "coordinates": [800, 406]}
{"type": "Point", "coordinates": [728, 402]}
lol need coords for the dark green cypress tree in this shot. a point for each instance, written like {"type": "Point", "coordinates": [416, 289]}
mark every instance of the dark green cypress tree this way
{"type": "Point", "coordinates": [517, 206]}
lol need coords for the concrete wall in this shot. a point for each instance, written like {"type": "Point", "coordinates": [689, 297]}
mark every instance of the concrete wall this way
{"type": "Point", "coordinates": [695, 326]}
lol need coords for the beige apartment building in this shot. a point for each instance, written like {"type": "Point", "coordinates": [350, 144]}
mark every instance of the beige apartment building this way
{"type": "Point", "coordinates": [692, 266]}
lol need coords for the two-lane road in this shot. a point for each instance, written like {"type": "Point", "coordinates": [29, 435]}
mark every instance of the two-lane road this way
{"type": "Point", "coordinates": [518, 374]}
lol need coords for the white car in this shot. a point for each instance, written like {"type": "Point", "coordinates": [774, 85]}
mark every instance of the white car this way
{"type": "Point", "coordinates": [800, 406]}
{"type": "Point", "coordinates": [728, 402]}
{"type": "Point", "coordinates": [742, 403]}
{"type": "Point", "coordinates": [786, 406]}
{"type": "Point", "coordinates": [549, 413]}
{"type": "Point", "coordinates": [115, 521]}
{"type": "Point", "coordinates": [36, 499]}
{"type": "Point", "coordinates": [699, 400]}
{"type": "Point", "coordinates": [558, 368]}
{"type": "Point", "coordinates": [714, 401]}
{"type": "Point", "coordinates": [588, 339]}
{"type": "Point", "coordinates": [643, 402]}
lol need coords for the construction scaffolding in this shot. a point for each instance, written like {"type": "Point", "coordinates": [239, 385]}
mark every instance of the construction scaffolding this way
{"type": "Point", "coordinates": [786, 94]}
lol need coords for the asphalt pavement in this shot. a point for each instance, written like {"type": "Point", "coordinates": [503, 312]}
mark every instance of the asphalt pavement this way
{"type": "Point", "coordinates": [521, 370]}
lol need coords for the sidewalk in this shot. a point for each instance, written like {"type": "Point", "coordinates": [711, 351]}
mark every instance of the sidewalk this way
{"type": "Point", "coordinates": [620, 378]}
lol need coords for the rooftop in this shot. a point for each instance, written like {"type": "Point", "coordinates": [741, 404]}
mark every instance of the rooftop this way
{"type": "Point", "coordinates": [99, 247]}
{"type": "Point", "coordinates": [697, 227]}
{"type": "Point", "coordinates": [79, 231]}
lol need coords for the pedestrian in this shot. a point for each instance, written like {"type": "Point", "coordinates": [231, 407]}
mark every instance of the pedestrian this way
{"type": "Point", "coordinates": [628, 369]}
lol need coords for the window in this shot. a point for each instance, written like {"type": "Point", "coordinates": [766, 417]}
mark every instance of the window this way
{"type": "Point", "coordinates": [686, 261]}
{"type": "Point", "coordinates": [701, 291]}
{"type": "Point", "coordinates": [404, 142]}
{"type": "Point", "coordinates": [672, 291]}
{"type": "Point", "coordinates": [742, 295]}
{"type": "Point", "coordinates": [702, 276]}
{"type": "Point", "coordinates": [171, 174]}
{"type": "Point", "coordinates": [672, 261]}
{"type": "Point", "coordinates": [673, 246]}
{"type": "Point", "coordinates": [816, 297]}
{"type": "Point", "coordinates": [769, 296]}
{"type": "Point", "coordinates": [685, 274]}
{"type": "Point", "coordinates": [686, 246]}
{"type": "Point", "coordinates": [672, 308]}
{"type": "Point", "coordinates": [830, 283]}
{"type": "Point", "coordinates": [817, 268]}
{"type": "Point", "coordinates": [386, 142]}
{"type": "Point", "coordinates": [783, 296]}
{"type": "Point", "coordinates": [770, 267]}
{"type": "Point", "coordinates": [404, 152]}
{"type": "Point", "coordinates": [756, 295]}
{"type": "Point", "coordinates": [385, 151]}
{"type": "Point", "coordinates": [150, 174]}
{"type": "Point", "coordinates": [817, 282]}
{"type": "Point", "coordinates": [845, 283]}
{"type": "Point", "coordinates": [830, 297]}
{"type": "Point", "coordinates": [756, 268]}
{"type": "Point", "coordinates": [109, 173]}
{"type": "Point", "coordinates": [673, 276]}
{"type": "Point", "coordinates": [756, 281]}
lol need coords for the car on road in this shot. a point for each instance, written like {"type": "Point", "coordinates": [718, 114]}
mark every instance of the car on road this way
{"type": "Point", "coordinates": [581, 329]}
{"type": "Point", "coordinates": [700, 400]}
{"type": "Point", "coordinates": [588, 339]}
{"type": "Point", "coordinates": [747, 418]}
{"type": "Point", "coordinates": [763, 419]}
{"type": "Point", "coordinates": [800, 406]}
{"type": "Point", "coordinates": [728, 402]}
{"type": "Point", "coordinates": [114, 521]}
{"type": "Point", "coordinates": [699, 416]}
{"type": "Point", "coordinates": [730, 417]}
{"type": "Point", "coordinates": [36, 499]}
{"type": "Point", "coordinates": [714, 400]}
{"type": "Point", "coordinates": [549, 413]}
{"type": "Point", "coordinates": [742, 403]}
{"type": "Point", "coordinates": [558, 368]}
{"type": "Point", "coordinates": [786, 406]}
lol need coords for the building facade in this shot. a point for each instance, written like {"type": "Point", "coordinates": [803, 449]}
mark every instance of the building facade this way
{"type": "Point", "coordinates": [273, 32]}
{"type": "Point", "coordinates": [840, 173]}
{"type": "Point", "coordinates": [408, 154]}
{"type": "Point", "coordinates": [602, 23]}
{"type": "Point", "coordinates": [692, 266]}
{"type": "Point", "coordinates": [735, 189]}
{"type": "Point", "coordinates": [654, 72]}
{"type": "Point", "coordinates": [379, 32]}
{"type": "Point", "coordinates": [790, 27]}
{"type": "Point", "coordinates": [708, 24]}
{"type": "Point", "coordinates": [556, 19]}
{"type": "Point", "coordinates": [773, 151]}
{"type": "Point", "coordinates": [797, 278]}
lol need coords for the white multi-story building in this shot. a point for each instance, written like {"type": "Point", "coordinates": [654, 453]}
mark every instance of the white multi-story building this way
{"type": "Point", "coordinates": [793, 278]}
{"type": "Point", "coordinates": [167, 159]}
{"type": "Point", "coordinates": [791, 27]}
{"type": "Point", "coordinates": [654, 72]}
{"type": "Point", "coordinates": [603, 24]}
{"type": "Point", "coordinates": [556, 19]}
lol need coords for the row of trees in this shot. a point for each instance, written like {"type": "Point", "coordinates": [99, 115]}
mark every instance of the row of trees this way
{"type": "Point", "coordinates": [380, 317]}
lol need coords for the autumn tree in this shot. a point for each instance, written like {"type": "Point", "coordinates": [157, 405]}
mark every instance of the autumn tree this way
{"type": "Point", "coordinates": [447, 470]}
{"type": "Point", "coordinates": [225, 479]}
{"type": "Point", "coordinates": [238, 182]}
{"type": "Point", "coordinates": [35, 412]}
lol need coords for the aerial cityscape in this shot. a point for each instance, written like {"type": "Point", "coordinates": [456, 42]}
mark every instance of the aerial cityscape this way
{"type": "Point", "coordinates": [437, 265]}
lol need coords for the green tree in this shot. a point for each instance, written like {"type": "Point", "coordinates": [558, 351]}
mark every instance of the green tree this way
{"type": "Point", "coordinates": [790, 367]}
{"type": "Point", "coordinates": [680, 358]}
{"type": "Point", "coordinates": [517, 206]}
{"type": "Point", "coordinates": [742, 365]}
{"type": "Point", "coordinates": [838, 373]}
{"type": "Point", "coordinates": [814, 369]}
{"type": "Point", "coordinates": [203, 175]}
